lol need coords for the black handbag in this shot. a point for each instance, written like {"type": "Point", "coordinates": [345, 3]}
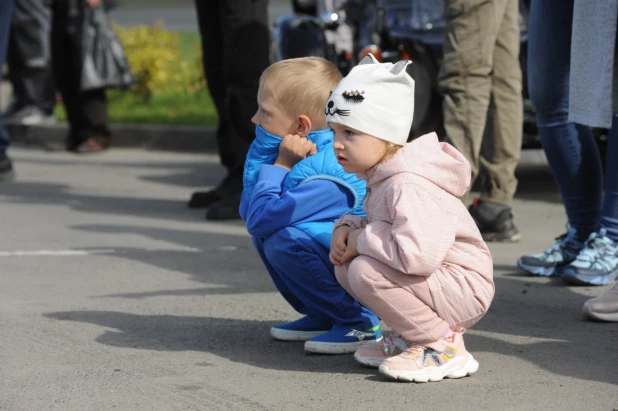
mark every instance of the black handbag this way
{"type": "Point", "coordinates": [103, 62]}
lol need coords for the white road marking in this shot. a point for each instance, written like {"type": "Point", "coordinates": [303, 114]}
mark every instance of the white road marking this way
{"type": "Point", "coordinates": [54, 253]}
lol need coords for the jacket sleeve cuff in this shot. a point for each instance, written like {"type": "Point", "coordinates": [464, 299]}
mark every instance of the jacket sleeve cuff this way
{"type": "Point", "coordinates": [353, 221]}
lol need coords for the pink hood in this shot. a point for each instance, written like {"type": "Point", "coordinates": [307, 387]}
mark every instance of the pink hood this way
{"type": "Point", "coordinates": [426, 157]}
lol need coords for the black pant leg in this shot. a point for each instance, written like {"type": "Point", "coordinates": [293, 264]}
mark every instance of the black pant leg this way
{"type": "Point", "coordinates": [246, 56]}
{"type": "Point", "coordinates": [30, 54]}
{"type": "Point", "coordinates": [86, 111]}
{"type": "Point", "coordinates": [211, 33]}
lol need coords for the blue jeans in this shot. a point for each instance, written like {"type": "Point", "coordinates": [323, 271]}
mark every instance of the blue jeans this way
{"type": "Point", "coordinates": [6, 14]}
{"type": "Point", "coordinates": [305, 277]}
{"type": "Point", "coordinates": [570, 148]}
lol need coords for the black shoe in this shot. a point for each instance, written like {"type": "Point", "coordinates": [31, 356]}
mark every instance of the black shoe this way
{"type": "Point", "coordinates": [204, 199]}
{"type": "Point", "coordinates": [495, 221]}
{"type": "Point", "coordinates": [6, 170]}
{"type": "Point", "coordinates": [225, 209]}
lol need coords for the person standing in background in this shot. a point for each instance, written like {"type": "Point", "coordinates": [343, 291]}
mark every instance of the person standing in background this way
{"type": "Point", "coordinates": [573, 85]}
{"type": "Point", "coordinates": [29, 62]}
{"type": "Point", "coordinates": [236, 50]}
{"type": "Point", "coordinates": [86, 110]}
{"type": "Point", "coordinates": [480, 77]}
{"type": "Point", "coordinates": [6, 14]}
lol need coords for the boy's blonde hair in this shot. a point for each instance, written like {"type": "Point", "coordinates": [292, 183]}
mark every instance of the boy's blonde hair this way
{"type": "Point", "coordinates": [301, 86]}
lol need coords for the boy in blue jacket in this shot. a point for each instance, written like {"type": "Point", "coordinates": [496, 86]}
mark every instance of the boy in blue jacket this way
{"type": "Point", "coordinates": [294, 191]}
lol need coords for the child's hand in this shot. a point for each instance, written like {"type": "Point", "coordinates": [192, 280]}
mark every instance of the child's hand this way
{"type": "Point", "coordinates": [293, 149]}
{"type": "Point", "coordinates": [351, 251]}
{"type": "Point", "coordinates": [338, 244]}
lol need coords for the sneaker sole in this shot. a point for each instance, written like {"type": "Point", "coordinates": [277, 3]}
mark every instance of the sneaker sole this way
{"type": "Point", "coordinates": [374, 362]}
{"type": "Point", "coordinates": [574, 279]}
{"type": "Point", "coordinates": [609, 317]}
{"type": "Point", "coordinates": [537, 271]}
{"type": "Point", "coordinates": [456, 368]}
{"type": "Point", "coordinates": [500, 237]}
{"type": "Point", "coordinates": [336, 348]}
{"type": "Point", "coordinates": [293, 335]}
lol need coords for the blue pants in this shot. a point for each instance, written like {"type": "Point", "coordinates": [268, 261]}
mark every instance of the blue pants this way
{"type": "Point", "coordinates": [305, 277]}
{"type": "Point", "coordinates": [570, 148]}
{"type": "Point", "coordinates": [6, 14]}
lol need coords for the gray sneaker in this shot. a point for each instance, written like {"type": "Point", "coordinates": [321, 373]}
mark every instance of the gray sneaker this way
{"type": "Point", "coordinates": [604, 307]}
{"type": "Point", "coordinates": [29, 116]}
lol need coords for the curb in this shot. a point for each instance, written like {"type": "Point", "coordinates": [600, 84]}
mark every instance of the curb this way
{"type": "Point", "coordinates": [144, 136]}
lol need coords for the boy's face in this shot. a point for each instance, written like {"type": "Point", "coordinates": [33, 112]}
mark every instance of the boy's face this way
{"type": "Point", "coordinates": [356, 152]}
{"type": "Point", "coordinates": [271, 118]}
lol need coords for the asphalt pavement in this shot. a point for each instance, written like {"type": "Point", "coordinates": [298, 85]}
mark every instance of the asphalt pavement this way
{"type": "Point", "coordinates": [114, 295]}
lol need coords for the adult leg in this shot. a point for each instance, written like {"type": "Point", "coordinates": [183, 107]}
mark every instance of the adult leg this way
{"type": "Point", "coordinates": [211, 33]}
{"type": "Point", "coordinates": [64, 68]}
{"type": "Point", "coordinates": [570, 149]}
{"type": "Point", "coordinates": [6, 13]}
{"type": "Point", "coordinates": [29, 61]}
{"type": "Point", "coordinates": [502, 145]}
{"type": "Point", "coordinates": [609, 212]}
{"type": "Point", "coordinates": [466, 81]}
{"type": "Point", "coordinates": [246, 55]}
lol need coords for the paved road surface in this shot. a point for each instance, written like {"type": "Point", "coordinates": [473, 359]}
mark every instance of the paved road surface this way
{"type": "Point", "coordinates": [113, 295]}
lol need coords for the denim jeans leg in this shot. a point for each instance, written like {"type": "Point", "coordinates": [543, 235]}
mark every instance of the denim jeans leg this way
{"type": "Point", "coordinates": [609, 214]}
{"type": "Point", "coordinates": [6, 13]}
{"type": "Point", "coordinates": [570, 149]}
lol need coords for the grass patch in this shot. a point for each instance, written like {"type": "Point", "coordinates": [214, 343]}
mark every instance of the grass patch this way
{"type": "Point", "coordinates": [170, 108]}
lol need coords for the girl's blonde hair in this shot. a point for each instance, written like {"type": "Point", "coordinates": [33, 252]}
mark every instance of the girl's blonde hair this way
{"type": "Point", "coordinates": [391, 148]}
{"type": "Point", "coordinates": [302, 86]}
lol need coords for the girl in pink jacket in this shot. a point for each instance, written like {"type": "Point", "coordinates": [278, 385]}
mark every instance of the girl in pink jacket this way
{"type": "Point", "coordinates": [418, 260]}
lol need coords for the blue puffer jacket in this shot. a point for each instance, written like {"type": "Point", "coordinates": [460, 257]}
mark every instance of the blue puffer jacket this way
{"type": "Point", "coordinates": [323, 165]}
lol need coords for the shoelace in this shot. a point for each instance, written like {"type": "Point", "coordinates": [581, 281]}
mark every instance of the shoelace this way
{"type": "Point", "coordinates": [595, 245]}
{"type": "Point", "coordinates": [561, 241]}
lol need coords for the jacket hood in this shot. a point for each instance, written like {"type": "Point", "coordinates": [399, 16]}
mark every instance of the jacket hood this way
{"type": "Point", "coordinates": [426, 157]}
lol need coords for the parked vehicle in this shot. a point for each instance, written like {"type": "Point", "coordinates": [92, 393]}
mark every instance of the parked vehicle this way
{"type": "Point", "coordinates": [393, 30]}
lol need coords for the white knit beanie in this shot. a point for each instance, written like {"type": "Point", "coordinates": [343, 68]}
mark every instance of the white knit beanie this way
{"type": "Point", "coordinates": [376, 99]}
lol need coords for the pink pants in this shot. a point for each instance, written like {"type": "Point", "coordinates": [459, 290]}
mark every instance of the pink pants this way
{"type": "Point", "coordinates": [408, 304]}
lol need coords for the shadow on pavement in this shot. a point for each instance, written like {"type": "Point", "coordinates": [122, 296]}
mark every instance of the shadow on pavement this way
{"type": "Point", "coordinates": [210, 262]}
{"type": "Point", "coordinates": [242, 341]}
{"type": "Point", "coordinates": [546, 316]}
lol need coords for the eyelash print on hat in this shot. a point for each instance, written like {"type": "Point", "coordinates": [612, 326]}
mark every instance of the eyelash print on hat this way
{"type": "Point", "coordinates": [354, 96]}
{"type": "Point", "coordinates": [335, 111]}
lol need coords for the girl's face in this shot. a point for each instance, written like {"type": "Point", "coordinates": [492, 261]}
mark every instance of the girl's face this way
{"type": "Point", "coordinates": [356, 152]}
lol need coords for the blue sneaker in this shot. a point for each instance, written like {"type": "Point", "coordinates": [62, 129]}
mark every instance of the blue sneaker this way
{"type": "Point", "coordinates": [301, 330]}
{"type": "Point", "coordinates": [596, 264]}
{"type": "Point", "coordinates": [553, 259]}
{"type": "Point", "coordinates": [343, 340]}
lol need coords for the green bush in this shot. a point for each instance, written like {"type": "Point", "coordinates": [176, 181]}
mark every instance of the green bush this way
{"type": "Point", "coordinates": [157, 61]}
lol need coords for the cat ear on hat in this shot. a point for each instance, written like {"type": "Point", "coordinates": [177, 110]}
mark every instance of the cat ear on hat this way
{"type": "Point", "coordinates": [400, 66]}
{"type": "Point", "coordinates": [369, 59]}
